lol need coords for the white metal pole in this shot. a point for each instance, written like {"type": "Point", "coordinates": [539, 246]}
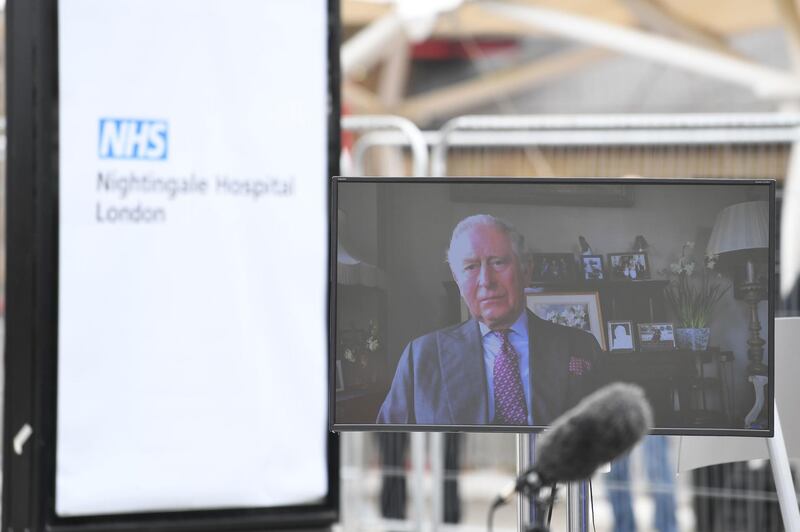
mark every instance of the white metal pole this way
{"type": "Point", "coordinates": [418, 484]}
{"type": "Point", "coordinates": [523, 463]}
{"type": "Point", "coordinates": [576, 507]}
{"type": "Point", "coordinates": [790, 219]}
{"type": "Point", "coordinates": [762, 80]}
{"type": "Point", "coordinates": [436, 453]}
{"type": "Point", "coordinates": [368, 46]}
{"type": "Point", "coordinates": [782, 473]}
{"type": "Point", "coordinates": [419, 148]}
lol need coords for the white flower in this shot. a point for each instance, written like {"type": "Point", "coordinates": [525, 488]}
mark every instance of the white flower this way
{"type": "Point", "coordinates": [349, 355]}
{"type": "Point", "coordinates": [684, 266]}
{"type": "Point", "coordinates": [373, 344]}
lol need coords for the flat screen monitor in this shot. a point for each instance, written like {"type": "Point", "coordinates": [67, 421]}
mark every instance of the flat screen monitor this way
{"type": "Point", "coordinates": [497, 304]}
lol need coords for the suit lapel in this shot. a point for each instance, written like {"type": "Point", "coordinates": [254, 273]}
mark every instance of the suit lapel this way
{"type": "Point", "coordinates": [549, 356]}
{"type": "Point", "coordinates": [464, 374]}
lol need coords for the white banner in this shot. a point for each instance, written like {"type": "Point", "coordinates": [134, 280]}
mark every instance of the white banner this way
{"type": "Point", "coordinates": [193, 255]}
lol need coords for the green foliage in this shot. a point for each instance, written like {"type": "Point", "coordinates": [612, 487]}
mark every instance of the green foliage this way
{"type": "Point", "coordinates": [694, 302]}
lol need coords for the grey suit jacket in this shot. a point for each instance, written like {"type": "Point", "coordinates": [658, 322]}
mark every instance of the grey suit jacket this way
{"type": "Point", "coordinates": [441, 377]}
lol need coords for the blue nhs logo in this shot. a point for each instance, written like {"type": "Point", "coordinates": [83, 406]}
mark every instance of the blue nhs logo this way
{"type": "Point", "coordinates": [131, 138]}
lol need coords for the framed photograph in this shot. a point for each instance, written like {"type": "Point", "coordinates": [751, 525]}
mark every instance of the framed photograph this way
{"type": "Point", "coordinates": [573, 309]}
{"type": "Point", "coordinates": [552, 267]}
{"type": "Point", "coordinates": [339, 377]}
{"type": "Point", "coordinates": [620, 336]}
{"type": "Point", "coordinates": [656, 336]}
{"type": "Point", "coordinates": [631, 266]}
{"type": "Point", "coordinates": [592, 266]}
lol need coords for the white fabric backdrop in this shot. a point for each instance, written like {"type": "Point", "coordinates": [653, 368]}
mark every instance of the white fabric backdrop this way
{"type": "Point", "coordinates": [192, 350]}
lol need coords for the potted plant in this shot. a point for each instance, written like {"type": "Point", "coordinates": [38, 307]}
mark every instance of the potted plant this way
{"type": "Point", "coordinates": [358, 348]}
{"type": "Point", "coordinates": [692, 300]}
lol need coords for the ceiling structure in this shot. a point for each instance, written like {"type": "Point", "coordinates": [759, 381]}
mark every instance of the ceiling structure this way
{"type": "Point", "coordinates": [695, 36]}
{"type": "Point", "coordinates": [722, 17]}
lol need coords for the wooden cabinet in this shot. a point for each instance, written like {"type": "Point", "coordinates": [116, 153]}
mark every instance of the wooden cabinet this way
{"type": "Point", "coordinates": [676, 383]}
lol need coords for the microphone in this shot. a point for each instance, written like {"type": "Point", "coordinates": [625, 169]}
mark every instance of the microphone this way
{"type": "Point", "coordinates": [604, 425]}
{"type": "Point", "coordinates": [601, 427]}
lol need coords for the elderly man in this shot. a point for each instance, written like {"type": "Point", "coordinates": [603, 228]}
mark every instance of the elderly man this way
{"type": "Point", "coordinates": [504, 366]}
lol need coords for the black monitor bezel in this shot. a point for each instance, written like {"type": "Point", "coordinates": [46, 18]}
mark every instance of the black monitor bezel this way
{"type": "Point", "coordinates": [671, 431]}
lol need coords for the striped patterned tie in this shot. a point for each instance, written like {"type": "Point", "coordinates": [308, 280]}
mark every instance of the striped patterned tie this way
{"type": "Point", "coordinates": [509, 395]}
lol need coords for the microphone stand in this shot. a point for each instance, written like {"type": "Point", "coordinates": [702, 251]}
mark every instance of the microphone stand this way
{"type": "Point", "coordinates": [526, 446]}
{"type": "Point", "coordinates": [542, 503]}
{"type": "Point", "coordinates": [535, 521]}
{"type": "Point", "coordinates": [576, 507]}
{"type": "Point", "coordinates": [577, 520]}
{"type": "Point", "coordinates": [527, 520]}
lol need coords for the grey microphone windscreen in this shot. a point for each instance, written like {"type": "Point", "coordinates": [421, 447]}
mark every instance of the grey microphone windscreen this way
{"type": "Point", "coordinates": [601, 427]}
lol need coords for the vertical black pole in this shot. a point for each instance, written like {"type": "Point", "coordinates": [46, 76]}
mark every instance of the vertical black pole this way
{"type": "Point", "coordinates": [30, 221]}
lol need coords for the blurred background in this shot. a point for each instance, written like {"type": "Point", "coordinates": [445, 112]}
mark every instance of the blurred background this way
{"type": "Point", "coordinates": [653, 88]}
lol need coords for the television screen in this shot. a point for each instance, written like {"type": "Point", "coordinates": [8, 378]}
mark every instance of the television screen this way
{"type": "Point", "coordinates": [478, 304]}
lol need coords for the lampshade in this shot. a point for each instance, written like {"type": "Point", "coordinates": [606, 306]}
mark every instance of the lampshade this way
{"type": "Point", "coordinates": [351, 270]}
{"type": "Point", "coordinates": [740, 227]}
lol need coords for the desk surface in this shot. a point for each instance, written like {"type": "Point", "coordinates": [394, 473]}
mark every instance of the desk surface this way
{"type": "Point", "coordinates": [669, 378]}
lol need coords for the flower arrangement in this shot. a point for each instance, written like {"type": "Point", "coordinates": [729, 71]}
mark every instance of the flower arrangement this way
{"type": "Point", "coordinates": [693, 302]}
{"type": "Point", "coordinates": [569, 315]}
{"type": "Point", "coordinates": [357, 348]}
{"type": "Point", "coordinates": [373, 343]}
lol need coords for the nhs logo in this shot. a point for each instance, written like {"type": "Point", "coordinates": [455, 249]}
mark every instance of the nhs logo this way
{"type": "Point", "coordinates": [130, 138]}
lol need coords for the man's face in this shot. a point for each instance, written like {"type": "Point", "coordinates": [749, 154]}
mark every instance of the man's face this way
{"type": "Point", "coordinates": [489, 275]}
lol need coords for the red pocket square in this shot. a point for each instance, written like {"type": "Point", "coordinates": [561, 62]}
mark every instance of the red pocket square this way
{"type": "Point", "coordinates": [579, 366]}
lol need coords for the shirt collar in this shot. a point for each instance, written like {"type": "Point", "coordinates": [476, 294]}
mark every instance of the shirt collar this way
{"type": "Point", "coordinates": [520, 326]}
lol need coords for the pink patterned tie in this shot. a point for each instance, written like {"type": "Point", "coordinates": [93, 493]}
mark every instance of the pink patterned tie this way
{"type": "Point", "coordinates": [509, 396]}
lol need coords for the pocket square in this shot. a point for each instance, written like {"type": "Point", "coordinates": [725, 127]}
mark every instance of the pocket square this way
{"type": "Point", "coordinates": [578, 366]}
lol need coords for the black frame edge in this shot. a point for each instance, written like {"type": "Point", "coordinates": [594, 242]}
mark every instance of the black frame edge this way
{"type": "Point", "coordinates": [30, 72]}
{"type": "Point", "coordinates": [667, 431]}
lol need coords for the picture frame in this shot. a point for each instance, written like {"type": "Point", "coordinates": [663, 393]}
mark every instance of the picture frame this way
{"type": "Point", "coordinates": [629, 266]}
{"type": "Point", "coordinates": [656, 336]}
{"type": "Point", "coordinates": [621, 336]}
{"type": "Point", "coordinates": [553, 268]}
{"type": "Point", "coordinates": [592, 268]}
{"type": "Point", "coordinates": [573, 309]}
{"type": "Point", "coordinates": [339, 377]}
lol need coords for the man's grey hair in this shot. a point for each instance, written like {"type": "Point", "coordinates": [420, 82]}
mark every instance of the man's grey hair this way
{"type": "Point", "coordinates": [482, 220]}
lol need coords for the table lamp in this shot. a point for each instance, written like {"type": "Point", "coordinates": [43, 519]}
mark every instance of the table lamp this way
{"type": "Point", "coordinates": [740, 239]}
